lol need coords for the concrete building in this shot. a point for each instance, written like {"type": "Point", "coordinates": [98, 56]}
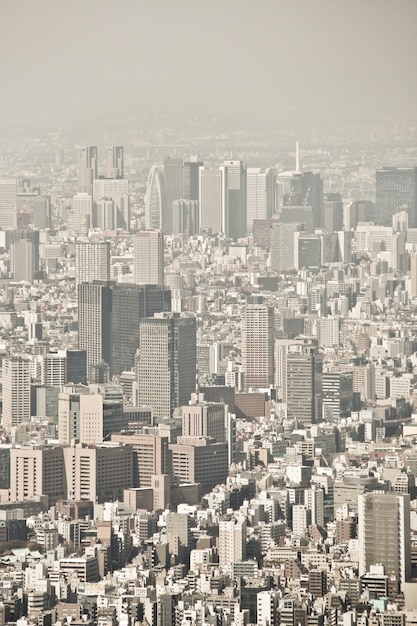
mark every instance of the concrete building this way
{"type": "Point", "coordinates": [148, 258]}
{"type": "Point", "coordinates": [87, 169]}
{"type": "Point", "coordinates": [16, 391]}
{"type": "Point", "coordinates": [80, 418]}
{"type": "Point", "coordinates": [150, 456]}
{"type": "Point", "coordinates": [211, 200]}
{"type": "Point", "coordinates": [92, 261]}
{"type": "Point", "coordinates": [199, 460]}
{"type": "Point", "coordinates": [232, 540]}
{"type": "Point", "coordinates": [258, 343]}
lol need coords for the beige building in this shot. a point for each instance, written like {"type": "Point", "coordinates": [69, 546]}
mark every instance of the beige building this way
{"type": "Point", "coordinates": [37, 471]}
{"type": "Point", "coordinates": [199, 460]}
{"type": "Point", "coordinates": [16, 392]}
{"type": "Point", "coordinates": [80, 418]}
{"type": "Point", "coordinates": [150, 456]}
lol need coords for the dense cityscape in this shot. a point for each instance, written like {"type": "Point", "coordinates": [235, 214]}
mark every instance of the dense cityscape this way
{"type": "Point", "coordinates": [208, 313]}
{"type": "Point", "coordinates": [208, 380]}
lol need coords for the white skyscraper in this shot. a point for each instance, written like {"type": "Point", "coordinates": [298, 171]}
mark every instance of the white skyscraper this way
{"type": "Point", "coordinates": [211, 199]}
{"type": "Point", "coordinates": [116, 189]}
{"type": "Point", "coordinates": [258, 343]}
{"type": "Point", "coordinates": [114, 162]}
{"type": "Point", "coordinates": [87, 168]}
{"type": "Point", "coordinates": [92, 261]}
{"type": "Point", "coordinates": [155, 199]}
{"type": "Point", "coordinates": [261, 194]}
{"type": "Point", "coordinates": [8, 204]}
{"type": "Point", "coordinates": [148, 258]}
{"type": "Point", "coordinates": [16, 391]}
{"type": "Point", "coordinates": [232, 540]}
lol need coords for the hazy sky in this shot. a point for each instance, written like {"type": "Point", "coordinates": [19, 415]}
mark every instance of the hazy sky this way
{"type": "Point", "coordinates": [64, 60]}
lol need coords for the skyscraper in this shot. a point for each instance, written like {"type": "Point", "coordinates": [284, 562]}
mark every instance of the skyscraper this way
{"type": "Point", "coordinates": [94, 321]}
{"type": "Point", "coordinates": [131, 303]}
{"type": "Point", "coordinates": [258, 343]}
{"type": "Point", "coordinates": [87, 168]}
{"type": "Point", "coordinates": [261, 194]}
{"type": "Point", "coordinates": [114, 162]}
{"type": "Point", "coordinates": [384, 534]}
{"type": "Point", "coordinates": [8, 204]}
{"type": "Point", "coordinates": [307, 190]}
{"type": "Point", "coordinates": [166, 362]}
{"type": "Point", "coordinates": [234, 194]}
{"type": "Point", "coordinates": [148, 258]}
{"type": "Point", "coordinates": [116, 189]}
{"type": "Point", "coordinates": [16, 391]}
{"type": "Point", "coordinates": [22, 260]}
{"type": "Point", "coordinates": [80, 417]}
{"type": "Point", "coordinates": [174, 188]}
{"type": "Point", "coordinates": [395, 187]}
{"type": "Point", "coordinates": [192, 179]}
{"type": "Point", "coordinates": [302, 391]}
{"type": "Point", "coordinates": [92, 261]}
{"type": "Point", "coordinates": [282, 245]}
{"type": "Point", "coordinates": [211, 200]}
{"type": "Point", "coordinates": [232, 540]}
{"type": "Point", "coordinates": [155, 201]}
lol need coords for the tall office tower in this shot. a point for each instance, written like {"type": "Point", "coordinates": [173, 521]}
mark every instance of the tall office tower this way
{"type": "Point", "coordinates": [204, 419]}
{"type": "Point", "coordinates": [148, 258]}
{"type": "Point", "coordinates": [314, 501]}
{"type": "Point", "coordinates": [87, 168]}
{"type": "Point", "coordinates": [232, 540]}
{"type": "Point", "coordinates": [94, 321]}
{"type": "Point", "coordinates": [303, 387]}
{"type": "Point", "coordinates": [333, 212]}
{"type": "Point", "coordinates": [235, 203]}
{"type": "Point", "coordinates": [384, 534]}
{"type": "Point", "coordinates": [114, 162]}
{"type": "Point", "coordinates": [80, 418]}
{"type": "Point", "coordinates": [8, 204]}
{"type": "Point", "coordinates": [92, 261]}
{"type": "Point", "coordinates": [174, 188]}
{"type": "Point", "coordinates": [76, 367]}
{"type": "Point", "coordinates": [185, 217]}
{"type": "Point", "coordinates": [192, 180]}
{"type": "Point", "coordinates": [282, 245]}
{"type": "Point", "coordinates": [258, 343]}
{"type": "Point", "coordinates": [211, 200]}
{"type": "Point", "coordinates": [413, 276]}
{"type": "Point", "coordinates": [116, 189]}
{"type": "Point", "coordinates": [104, 214]}
{"type": "Point", "coordinates": [155, 202]}
{"type": "Point", "coordinates": [22, 260]}
{"type": "Point", "coordinates": [261, 194]}
{"type": "Point", "coordinates": [130, 303]}
{"type": "Point", "coordinates": [82, 204]}
{"type": "Point", "coordinates": [396, 187]}
{"type": "Point", "coordinates": [337, 395]}
{"type": "Point", "coordinates": [358, 211]}
{"type": "Point", "coordinates": [280, 362]}
{"type": "Point", "coordinates": [307, 251]}
{"type": "Point", "coordinates": [307, 190]}
{"type": "Point", "coordinates": [54, 369]}
{"type": "Point", "coordinates": [16, 391]}
{"type": "Point", "coordinates": [167, 362]}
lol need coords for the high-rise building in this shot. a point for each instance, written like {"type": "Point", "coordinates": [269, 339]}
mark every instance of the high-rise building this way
{"type": "Point", "coordinates": [199, 460]}
{"type": "Point", "coordinates": [307, 190]}
{"type": "Point", "coordinates": [155, 201]}
{"type": "Point", "coordinates": [37, 471]}
{"type": "Point", "coordinates": [211, 200]}
{"type": "Point", "coordinates": [8, 204]}
{"type": "Point", "coordinates": [82, 204]}
{"type": "Point", "coordinates": [174, 188]}
{"type": "Point", "coordinates": [235, 203]}
{"type": "Point", "coordinates": [413, 277]}
{"type": "Point", "coordinates": [384, 534]}
{"type": "Point", "coordinates": [22, 260]}
{"type": "Point", "coordinates": [150, 456]}
{"type": "Point", "coordinates": [395, 188]}
{"type": "Point", "coordinates": [337, 395]}
{"type": "Point", "coordinates": [80, 418]}
{"type": "Point", "coordinates": [94, 321]}
{"type": "Point", "coordinates": [282, 245]}
{"type": "Point", "coordinates": [87, 168]}
{"type": "Point", "coordinates": [192, 179]}
{"type": "Point", "coordinates": [16, 391]}
{"type": "Point", "coordinates": [148, 258]}
{"type": "Point", "coordinates": [185, 215]}
{"type": "Point", "coordinates": [104, 214]}
{"type": "Point", "coordinates": [261, 194]}
{"type": "Point", "coordinates": [166, 362]}
{"type": "Point", "coordinates": [333, 212]}
{"type": "Point", "coordinates": [303, 389]}
{"type": "Point", "coordinates": [232, 540]}
{"type": "Point", "coordinates": [92, 261]}
{"type": "Point", "coordinates": [204, 419]}
{"type": "Point", "coordinates": [258, 343]}
{"type": "Point", "coordinates": [114, 162]}
{"type": "Point", "coordinates": [130, 303]}
{"type": "Point", "coordinates": [116, 189]}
